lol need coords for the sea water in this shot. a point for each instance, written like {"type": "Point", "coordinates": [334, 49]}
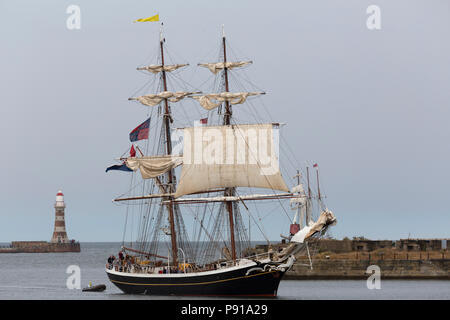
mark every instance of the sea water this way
{"type": "Point", "coordinates": [44, 276]}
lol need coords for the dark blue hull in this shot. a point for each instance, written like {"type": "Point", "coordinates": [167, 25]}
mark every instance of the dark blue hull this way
{"type": "Point", "coordinates": [246, 281]}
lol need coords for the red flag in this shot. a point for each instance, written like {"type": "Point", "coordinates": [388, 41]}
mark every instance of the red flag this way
{"type": "Point", "coordinates": [132, 152]}
{"type": "Point", "coordinates": [141, 131]}
{"type": "Point", "coordinates": [204, 121]}
{"type": "Point", "coordinates": [315, 165]}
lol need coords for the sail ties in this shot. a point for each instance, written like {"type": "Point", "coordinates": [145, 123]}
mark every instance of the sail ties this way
{"type": "Point", "coordinates": [213, 100]}
{"type": "Point", "coordinates": [155, 68]}
{"type": "Point", "coordinates": [155, 99]}
{"type": "Point", "coordinates": [151, 167]}
{"type": "Point", "coordinates": [215, 67]}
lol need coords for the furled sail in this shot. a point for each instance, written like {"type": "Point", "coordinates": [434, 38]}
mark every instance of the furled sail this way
{"type": "Point", "coordinates": [230, 156]}
{"type": "Point", "coordinates": [298, 189]}
{"type": "Point", "coordinates": [213, 100]}
{"type": "Point", "coordinates": [154, 99]}
{"type": "Point", "coordinates": [151, 167]}
{"type": "Point", "coordinates": [215, 67]}
{"type": "Point", "coordinates": [325, 220]}
{"type": "Point", "coordinates": [300, 200]}
{"type": "Point", "coordinates": [155, 68]}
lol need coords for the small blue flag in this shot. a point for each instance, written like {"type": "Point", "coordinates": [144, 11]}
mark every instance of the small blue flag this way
{"type": "Point", "coordinates": [122, 167]}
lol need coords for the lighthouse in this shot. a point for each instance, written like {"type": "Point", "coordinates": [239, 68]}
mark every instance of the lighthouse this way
{"type": "Point", "coordinates": [59, 233]}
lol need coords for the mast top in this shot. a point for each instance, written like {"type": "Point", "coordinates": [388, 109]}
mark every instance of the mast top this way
{"type": "Point", "coordinates": [161, 39]}
{"type": "Point", "coordinates": [223, 31]}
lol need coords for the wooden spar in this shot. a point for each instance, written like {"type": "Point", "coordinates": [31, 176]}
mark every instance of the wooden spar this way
{"type": "Point", "coordinates": [167, 120]}
{"type": "Point", "coordinates": [144, 253]}
{"type": "Point", "coordinates": [139, 149]}
{"type": "Point", "coordinates": [234, 198]}
{"type": "Point", "coordinates": [162, 195]}
{"type": "Point", "coordinates": [227, 116]}
{"type": "Point", "coordinates": [160, 185]}
{"type": "Point", "coordinates": [150, 196]}
{"type": "Point", "coordinates": [231, 221]}
{"type": "Point", "coordinates": [226, 121]}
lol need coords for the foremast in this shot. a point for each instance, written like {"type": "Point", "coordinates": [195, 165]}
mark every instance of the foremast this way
{"type": "Point", "coordinates": [157, 166]}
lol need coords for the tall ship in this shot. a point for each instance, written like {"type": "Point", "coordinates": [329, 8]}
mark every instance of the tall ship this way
{"type": "Point", "coordinates": [203, 176]}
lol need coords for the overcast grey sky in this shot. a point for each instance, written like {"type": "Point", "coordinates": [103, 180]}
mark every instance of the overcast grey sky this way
{"type": "Point", "coordinates": [372, 107]}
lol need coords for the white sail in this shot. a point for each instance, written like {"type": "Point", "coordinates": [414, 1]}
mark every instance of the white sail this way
{"type": "Point", "coordinates": [155, 68]}
{"type": "Point", "coordinates": [151, 167]}
{"type": "Point", "coordinates": [230, 156]}
{"type": "Point", "coordinates": [215, 67]}
{"type": "Point", "coordinates": [155, 99]}
{"type": "Point", "coordinates": [213, 100]}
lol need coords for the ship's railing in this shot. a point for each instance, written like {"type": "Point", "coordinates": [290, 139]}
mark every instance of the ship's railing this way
{"type": "Point", "coordinates": [259, 256]}
{"type": "Point", "coordinates": [146, 269]}
{"type": "Point", "coordinates": [136, 268]}
{"type": "Point", "coordinates": [230, 263]}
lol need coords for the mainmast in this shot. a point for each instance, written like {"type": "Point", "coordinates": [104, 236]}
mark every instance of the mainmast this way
{"type": "Point", "coordinates": [226, 121]}
{"type": "Point", "coordinates": [167, 120]}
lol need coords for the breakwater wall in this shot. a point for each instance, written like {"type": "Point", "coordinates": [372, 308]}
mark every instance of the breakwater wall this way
{"type": "Point", "coordinates": [40, 247]}
{"type": "Point", "coordinates": [356, 269]}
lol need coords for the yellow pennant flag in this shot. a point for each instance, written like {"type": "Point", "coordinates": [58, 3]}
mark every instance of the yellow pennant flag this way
{"type": "Point", "coordinates": [149, 19]}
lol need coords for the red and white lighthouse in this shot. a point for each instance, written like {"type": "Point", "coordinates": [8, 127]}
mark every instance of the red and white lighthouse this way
{"type": "Point", "coordinates": [59, 233]}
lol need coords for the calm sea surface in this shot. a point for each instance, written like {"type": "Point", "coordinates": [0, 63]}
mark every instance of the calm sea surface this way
{"type": "Point", "coordinates": [43, 276]}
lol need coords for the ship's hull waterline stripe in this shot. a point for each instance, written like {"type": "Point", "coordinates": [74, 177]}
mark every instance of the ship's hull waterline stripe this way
{"type": "Point", "coordinates": [190, 284]}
